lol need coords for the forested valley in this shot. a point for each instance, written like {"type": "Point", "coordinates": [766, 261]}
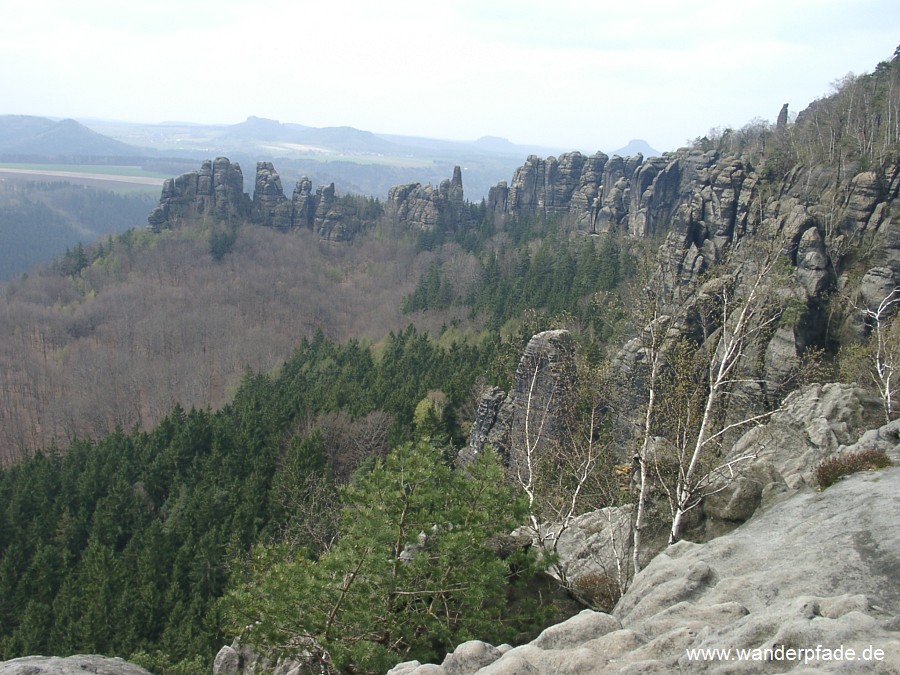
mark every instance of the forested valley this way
{"type": "Point", "coordinates": [41, 220]}
{"type": "Point", "coordinates": [212, 432]}
{"type": "Point", "coordinates": [166, 408]}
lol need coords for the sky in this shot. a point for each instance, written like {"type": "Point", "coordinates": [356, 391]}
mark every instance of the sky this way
{"type": "Point", "coordinates": [573, 74]}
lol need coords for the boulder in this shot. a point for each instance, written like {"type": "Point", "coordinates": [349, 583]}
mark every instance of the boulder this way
{"type": "Point", "coordinates": [469, 657]}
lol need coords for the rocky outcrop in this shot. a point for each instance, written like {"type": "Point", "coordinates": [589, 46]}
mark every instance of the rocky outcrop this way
{"type": "Point", "coordinates": [424, 207]}
{"type": "Point", "coordinates": [807, 570]}
{"type": "Point", "coordinates": [70, 665]}
{"type": "Point", "coordinates": [545, 187]}
{"type": "Point", "coordinates": [485, 417]}
{"type": "Point", "coordinates": [241, 659]}
{"type": "Point", "coordinates": [270, 207]}
{"type": "Point", "coordinates": [536, 411]}
{"type": "Point", "coordinates": [215, 192]}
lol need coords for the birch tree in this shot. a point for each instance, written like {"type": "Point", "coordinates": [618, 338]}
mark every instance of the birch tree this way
{"type": "Point", "coordinates": [883, 353]}
{"type": "Point", "coordinates": [742, 308]}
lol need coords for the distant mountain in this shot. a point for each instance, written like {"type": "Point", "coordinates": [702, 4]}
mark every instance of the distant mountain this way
{"type": "Point", "coordinates": [262, 129]}
{"type": "Point", "coordinates": [635, 146]}
{"type": "Point", "coordinates": [496, 144]}
{"type": "Point", "coordinates": [346, 140]}
{"type": "Point", "coordinates": [26, 136]}
{"type": "Point", "coordinates": [15, 128]}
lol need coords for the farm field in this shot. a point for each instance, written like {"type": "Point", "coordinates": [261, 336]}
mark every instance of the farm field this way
{"type": "Point", "coordinates": [105, 177]}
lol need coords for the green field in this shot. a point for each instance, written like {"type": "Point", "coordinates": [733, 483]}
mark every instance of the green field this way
{"type": "Point", "coordinates": [122, 179]}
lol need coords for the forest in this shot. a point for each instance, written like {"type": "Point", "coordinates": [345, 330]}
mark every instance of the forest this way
{"type": "Point", "coordinates": [41, 220]}
{"type": "Point", "coordinates": [257, 438]}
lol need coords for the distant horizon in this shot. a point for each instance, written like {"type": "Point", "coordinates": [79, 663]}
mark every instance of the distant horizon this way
{"type": "Point", "coordinates": [571, 75]}
{"type": "Point", "coordinates": [88, 121]}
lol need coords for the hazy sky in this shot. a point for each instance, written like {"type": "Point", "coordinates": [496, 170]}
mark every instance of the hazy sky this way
{"type": "Point", "coordinates": [579, 74]}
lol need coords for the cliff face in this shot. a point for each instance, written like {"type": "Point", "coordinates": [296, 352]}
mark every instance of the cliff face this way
{"type": "Point", "coordinates": [423, 207]}
{"type": "Point", "coordinates": [603, 194]}
{"type": "Point", "coordinates": [216, 192]}
{"type": "Point", "coordinates": [537, 411]}
{"type": "Point", "coordinates": [710, 208]}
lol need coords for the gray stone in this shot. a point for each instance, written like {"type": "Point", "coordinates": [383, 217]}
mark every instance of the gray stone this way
{"type": "Point", "coordinates": [216, 191]}
{"type": "Point", "coordinates": [270, 206]}
{"type": "Point", "coordinates": [876, 285]}
{"type": "Point", "coordinates": [542, 396]}
{"type": "Point", "coordinates": [424, 207]}
{"type": "Point", "coordinates": [486, 415]}
{"type": "Point", "coordinates": [812, 263]}
{"type": "Point", "coordinates": [404, 668]}
{"type": "Point", "coordinates": [469, 657]}
{"type": "Point", "coordinates": [70, 665]}
{"type": "Point", "coordinates": [227, 661]}
{"type": "Point", "coordinates": [582, 627]}
{"type": "Point", "coordinates": [510, 665]}
{"type": "Point", "coordinates": [814, 423]}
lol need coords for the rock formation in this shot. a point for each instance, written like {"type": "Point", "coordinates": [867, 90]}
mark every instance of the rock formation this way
{"type": "Point", "coordinates": [535, 413]}
{"type": "Point", "coordinates": [240, 659]}
{"type": "Point", "coordinates": [70, 665]}
{"type": "Point", "coordinates": [215, 193]}
{"type": "Point", "coordinates": [270, 207]}
{"type": "Point", "coordinates": [424, 207]}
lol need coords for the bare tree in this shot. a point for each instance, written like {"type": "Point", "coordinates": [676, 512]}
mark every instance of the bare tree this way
{"type": "Point", "coordinates": [562, 467]}
{"type": "Point", "coordinates": [883, 354]}
{"type": "Point", "coordinates": [652, 340]}
{"type": "Point", "coordinates": [743, 308]}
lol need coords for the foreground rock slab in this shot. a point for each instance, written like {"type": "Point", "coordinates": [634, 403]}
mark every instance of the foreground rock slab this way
{"type": "Point", "coordinates": [70, 665]}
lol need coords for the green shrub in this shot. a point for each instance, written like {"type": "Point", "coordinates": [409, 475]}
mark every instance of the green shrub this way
{"type": "Point", "coordinates": [830, 470]}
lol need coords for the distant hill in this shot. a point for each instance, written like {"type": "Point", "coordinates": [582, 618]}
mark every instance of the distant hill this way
{"type": "Point", "coordinates": [26, 136]}
{"type": "Point", "coordinates": [262, 129]}
{"type": "Point", "coordinates": [635, 146]}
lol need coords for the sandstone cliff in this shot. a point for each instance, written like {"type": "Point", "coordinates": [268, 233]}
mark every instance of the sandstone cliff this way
{"type": "Point", "coordinates": [215, 194]}
{"type": "Point", "coordinates": [424, 207]}
{"type": "Point", "coordinates": [537, 411]}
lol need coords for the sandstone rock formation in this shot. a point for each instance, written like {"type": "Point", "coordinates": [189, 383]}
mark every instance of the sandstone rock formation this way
{"type": "Point", "coordinates": [270, 207]}
{"type": "Point", "coordinates": [535, 413]}
{"type": "Point", "coordinates": [215, 194]}
{"type": "Point", "coordinates": [70, 665]}
{"type": "Point", "coordinates": [241, 659]}
{"type": "Point", "coordinates": [423, 207]}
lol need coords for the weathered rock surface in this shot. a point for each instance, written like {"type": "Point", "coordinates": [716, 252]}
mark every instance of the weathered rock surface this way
{"type": "Point", "coordinates": [270, 207]}
{"type": "Point", "coordinates": [241, 659]}
{"type": "Point", "coordinates": [535, 412]}
{"type": "Point", "coordinates": [216, 192]}
{"type": "Point", "coordinates": [70, 665]}
{"type": "Point", "coordinates": [488, 408]}
{"type": "Point", "coordinates": [424, 207]}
